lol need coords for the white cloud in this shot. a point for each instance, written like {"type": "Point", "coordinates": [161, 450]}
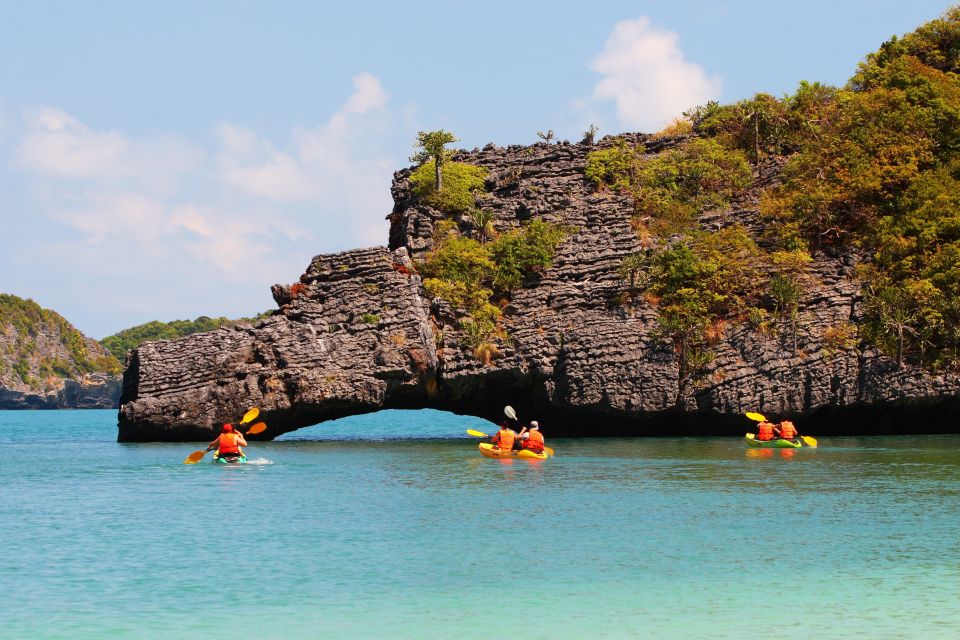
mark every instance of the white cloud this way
{"type": "Point", "coordinates": [646, 75]}
{"type": "Point", "coordinates": [320, 162]}
{"type": "Point", "coordinates": [200, 225]}
{"type": "Point", "coordinates": [57, 144]}
{"type": "Point", "coordinates": [368, 94]}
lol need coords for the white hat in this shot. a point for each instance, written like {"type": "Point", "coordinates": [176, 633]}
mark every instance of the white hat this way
{"type": "Point", "coordinates": [534, 424]}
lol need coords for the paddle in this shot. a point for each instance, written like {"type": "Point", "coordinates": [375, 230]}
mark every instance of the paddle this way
{"type": "Point", "coordinates": [758, 417]}
{"type": "Point", "coordinates": [249, 416]}
{"type": "Point", "coordinates": [478, 434]}
{"type": "Point", "coordinates": [260, 427]}
{"type": "Point", "coordinates": [510, 413]}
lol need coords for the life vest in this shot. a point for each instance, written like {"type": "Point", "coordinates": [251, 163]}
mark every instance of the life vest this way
{"type": "Point", "coordinates": [228, 444]}
{"type": "Point", "coordinates": [504, 439]}
{"type": "Point", "coordinates": [765, 431]}
{"type": "Point", "coordinates": [787, 430]}
{"type": "Point", "coordinates": [534, 442]}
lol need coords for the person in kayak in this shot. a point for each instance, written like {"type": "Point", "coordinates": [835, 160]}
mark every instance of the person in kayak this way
{"type": "Point", "coordinates": [228, 443]}
{"type": "Point", "coordinates": [785, 430]}
{"type": "Point", "coordinates": [505, 437]}
{"type": "Point", "coordinates": [532, 439]}
{"type": "Point", "coordinates": [765, 431]}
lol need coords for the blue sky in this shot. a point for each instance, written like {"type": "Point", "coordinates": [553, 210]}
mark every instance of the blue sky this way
{"type": "Point", "coordinates": [174, 159]}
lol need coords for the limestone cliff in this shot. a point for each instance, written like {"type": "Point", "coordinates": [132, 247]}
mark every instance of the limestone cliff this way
{"type": "Point", "coordinates": [357, 333]}
{"type": "Point", "coordinates": [45, 363]}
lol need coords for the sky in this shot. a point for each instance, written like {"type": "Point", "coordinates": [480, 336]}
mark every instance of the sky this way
{"type": "Point", "coordinates": [167, 160]}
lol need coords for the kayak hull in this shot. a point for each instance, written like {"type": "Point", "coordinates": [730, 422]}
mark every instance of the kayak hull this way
{"type": "Point", "coordinates": [231, 460]}
{"type": "Point", "coordinates": [487, 450]}
{"type": "Point", "coordinates": [772, 444]}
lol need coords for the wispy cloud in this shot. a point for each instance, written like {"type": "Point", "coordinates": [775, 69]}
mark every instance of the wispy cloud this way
{"type": "Point", "coordinates": [646, 75]}
{"type": "Point", "coordinates": [237, 211]}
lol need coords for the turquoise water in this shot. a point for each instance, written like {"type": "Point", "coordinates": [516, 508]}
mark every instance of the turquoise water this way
{"type": "Point", "coordinates": [336, 536]}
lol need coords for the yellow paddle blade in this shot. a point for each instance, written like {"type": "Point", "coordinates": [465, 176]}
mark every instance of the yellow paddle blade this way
{"type": "Point", "coordinates": [260, 427]}
{"type": "Point", "coordinates": [250, 416]}
{"type": "Point", "coordinates": [509, 412]}
{"type": "Point", "coordinates": [809, 441]}
{"type": "Point", "coordinates": [549, 451]}
{"type": "Point", "coordinates": [195, 457]}
{"type": "Point", "coordinates": [479, 434]}
{"type": "Point", "coordinates": [758, 417]}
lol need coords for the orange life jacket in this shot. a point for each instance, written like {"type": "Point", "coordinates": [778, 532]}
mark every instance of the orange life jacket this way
{"type": "Point", "coordinates": [504, 439]}
{"type": "Point", "coordinates": [534, 442]}
{"type": "Point", "coordinates": [228, 444]}
{"type": "Point", "coordinates": [765, 431]}
{"type": "Point", "coordinates": [787, 430]}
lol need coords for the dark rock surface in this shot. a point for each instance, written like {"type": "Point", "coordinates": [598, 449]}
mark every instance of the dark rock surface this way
{"type": "Point", "coordinates": [94, 391]}
{"type": "Point", "coordinates": [577, 359]}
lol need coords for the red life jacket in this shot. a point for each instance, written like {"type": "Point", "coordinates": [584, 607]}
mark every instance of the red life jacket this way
{"type": "Point", "coordinates": [504, 439]}
{"type": "Point", "coordinates": [787, 430]}
{"type": "Point", "coordinates": [765, 431]}
{"type": "Point", "coordinates": [228, 444]}
{"type": "Point", "coordinates": [534, 442]}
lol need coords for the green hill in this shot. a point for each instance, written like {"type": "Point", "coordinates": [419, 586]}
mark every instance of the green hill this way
{"type": "Point", "coordinates": [119, 343]}
{"type": "Point", "coordinates": [39, 348]}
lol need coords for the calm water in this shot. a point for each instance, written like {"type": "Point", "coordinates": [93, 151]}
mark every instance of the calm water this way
{"type": "Point", "coordinates": [335, 536]}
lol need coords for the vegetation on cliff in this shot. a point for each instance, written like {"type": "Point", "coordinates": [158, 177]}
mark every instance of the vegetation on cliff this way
{"type": "Point", "coordinates": [872, 167]}
{"type": "Point", "coordinates": [440, 182]}
{"type": "Point", "coordinates": [39, 347]}
{"type": "Point", "coordinates": [478, 277]}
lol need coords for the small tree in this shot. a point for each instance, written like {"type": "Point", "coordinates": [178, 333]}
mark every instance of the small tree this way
{"type": "Point", "coordinates": [589, 135]}
{"type": "Point", "coordinates": [787, 286]}
{"type": "Point", "coordinates": [482, 220]}
{"type": "Point", "coordinates": [635, 267]}
{"type": "Point", "coordinates": [432, 145]}
{"type": "Point", "coordinates": [546, 136]}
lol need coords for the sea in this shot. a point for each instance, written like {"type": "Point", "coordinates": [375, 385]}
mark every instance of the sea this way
{"type": "Point", "coordinates": [391, 525]}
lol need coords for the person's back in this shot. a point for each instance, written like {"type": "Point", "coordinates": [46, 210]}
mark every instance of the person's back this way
{"type": "Point", "coordinates": [765, 431]}
{"type": "Point", "coordinates": [533, 439]}
{"type": "Point", "coordinates": [228, 443]}
{"type": "Point", "coordinates": [534, 442]}
{"type": "Point", "coordinates": [787, 430]}
{"type": "Point", "coordinates": [504, 438]}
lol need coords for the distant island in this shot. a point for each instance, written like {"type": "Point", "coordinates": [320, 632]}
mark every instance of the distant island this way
{"type": "Point", "coordinates": [795, 255]}
{"type": "Point", "coordinates": [46, 363]}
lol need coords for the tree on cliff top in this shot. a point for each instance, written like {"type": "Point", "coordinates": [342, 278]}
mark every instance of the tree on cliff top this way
{"type": "Point", "coordinates": [432, 145]}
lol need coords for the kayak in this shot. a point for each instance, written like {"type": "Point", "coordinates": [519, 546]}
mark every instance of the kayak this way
{"type": "Point", "coordinates": [487, 450]}
{"type": "Point", "coordinates": [229, 459]}
{"type": "Point", "coordinates": [773, 444]}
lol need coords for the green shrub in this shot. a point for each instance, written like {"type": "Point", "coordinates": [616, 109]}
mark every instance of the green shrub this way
{"type": "Point", "coordinates": [370, 318]}
{"type": "Point", "coordinates": [524, 251]}
{"type": "Point", "coordinates": [461, 183]}
{"type": "Point", "coordinates": [468, 274]}
{"type": "Point", "coordinates": [672, 187]}
{"type": "Point", "coordinates": [614, 167]}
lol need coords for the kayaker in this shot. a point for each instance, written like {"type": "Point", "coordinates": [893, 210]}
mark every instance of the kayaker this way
{"type": "Point", "coordinates": [532, 439]}
{"type": "Point", "coordinates": [228, 443]}
{"type": "Point", "coordinates": [785, 430]}
{"type": "Point", "coordinates": [765, 431]}
{"type": "Point", "coordinates": [505, 437]}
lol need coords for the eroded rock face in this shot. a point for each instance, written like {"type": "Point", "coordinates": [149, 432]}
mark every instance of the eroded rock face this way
{"type": "Point", "coordinates": [578, 359]}
{"type": "Point", "coordinates": [351, 336]}
{"type": "Point", "coordinates": [93, 391]}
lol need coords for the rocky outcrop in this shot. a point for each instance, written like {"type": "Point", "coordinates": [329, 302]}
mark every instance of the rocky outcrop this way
{"type": "Point", "coordinates": [93, 391]}
{"type": "Point", "coordinates": [357, 334]}
{"type": "Point", "coordinates": [45, 363]}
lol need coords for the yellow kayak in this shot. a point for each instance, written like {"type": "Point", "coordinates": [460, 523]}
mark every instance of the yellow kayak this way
{"type": "Point", "coordinates": [489, 451]}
